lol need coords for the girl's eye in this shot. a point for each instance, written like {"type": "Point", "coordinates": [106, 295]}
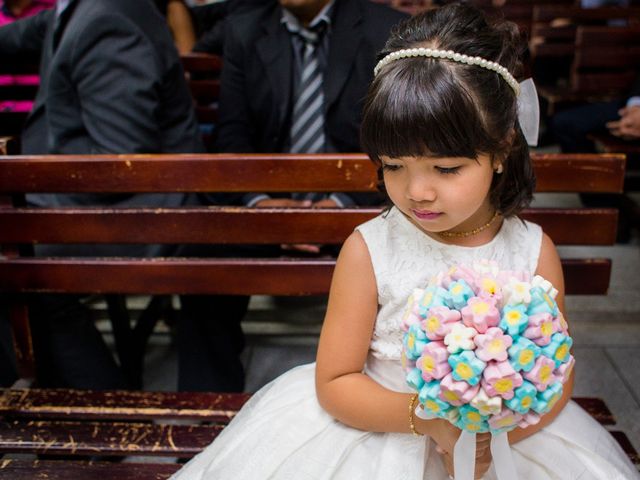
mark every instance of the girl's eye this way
{"type": "Point", "coordinates": [448, 170]}
{"type": "Point", "coordinates": [390, 168]}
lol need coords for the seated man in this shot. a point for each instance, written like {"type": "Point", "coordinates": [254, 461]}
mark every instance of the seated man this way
{"type": "Point", "coordinates": [294, 80]}
{"type": "Point", "coordinates": [112, 82]}
{"type": "Point", "coordinates": [571, 127]}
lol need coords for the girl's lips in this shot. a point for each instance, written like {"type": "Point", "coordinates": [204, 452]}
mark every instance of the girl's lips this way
{"type": "Point", "coordinates": [426, 214]}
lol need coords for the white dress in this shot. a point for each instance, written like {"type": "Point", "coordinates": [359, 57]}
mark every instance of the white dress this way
{"type": "Point", "coordinates": [283, 433]}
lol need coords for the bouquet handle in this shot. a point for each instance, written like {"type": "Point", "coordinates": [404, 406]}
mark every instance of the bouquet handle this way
{"type": "Point", "coordinates": [464, 454]}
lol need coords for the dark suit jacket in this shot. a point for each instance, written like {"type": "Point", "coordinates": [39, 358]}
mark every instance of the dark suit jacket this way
{"type": "Point", "coordinates": [256, 84]}
{"type": "Point", "coordinates": [111, 82]}
{"type": "Point", "coordinates": [210, 21]}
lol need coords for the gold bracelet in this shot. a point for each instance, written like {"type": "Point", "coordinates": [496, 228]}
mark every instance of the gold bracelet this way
{"type": "Point", "coordinates": [412, 406]}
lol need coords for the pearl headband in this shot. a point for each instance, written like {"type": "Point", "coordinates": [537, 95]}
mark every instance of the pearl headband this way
{"type": "Point", "coordinates": [449, 55]}
{"type": "Point", "coordinates": [527, 96]}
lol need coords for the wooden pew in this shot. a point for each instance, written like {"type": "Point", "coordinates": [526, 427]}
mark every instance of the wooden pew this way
{"type": "Point", "coordinates": [105, 424]}
{"type": "Point", "coordinates": [604, 65]}
{"type": "Point", "coordinates": [203, 78]}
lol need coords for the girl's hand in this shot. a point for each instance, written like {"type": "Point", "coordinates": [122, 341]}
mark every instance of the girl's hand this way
{"type": "Point", "coordinates": [446, 435]}
{"type": "Point", "coordinates": [482, 463]}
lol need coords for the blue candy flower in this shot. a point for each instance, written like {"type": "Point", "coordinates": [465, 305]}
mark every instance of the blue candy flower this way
{"type": "Point", "coordinates": [524, 398]}
{"type": "Point", "coordinates": [541, 302]}
{"type": "Point", "coordinates": [460, 292]}
{"type": "Point", "coordinates": [415, 380]}
{"type": "Point", "coordinates": [429, 397]}
{"type": "Point", "coordinates": [514, 319]}
{"type": "Point", "coordinates": [434, 296]}
{"type": "Point", "coordinates": [414, 342]}
{"type": "Point", "coordinates": [559, 348]}
{"type": "Point", "coordinates": [523, 354]}
{"type": "Point", "coordinates": [471, 420]}
{"type": "Point", "coordinates": [547, 399]}
{"type": "Point", "coordinates": [466, 366]}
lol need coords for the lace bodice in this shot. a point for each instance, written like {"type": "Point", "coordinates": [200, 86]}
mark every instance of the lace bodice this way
{"type": "Point", "coordinates": [404, 258]}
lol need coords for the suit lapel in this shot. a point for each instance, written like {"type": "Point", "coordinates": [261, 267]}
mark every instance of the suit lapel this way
{"type": "Point", "coordinates": [343, 47]}
{"type": "Point", "coordinates": [61, 23]}
{"type": "Point", "coordinates": [274, 51]}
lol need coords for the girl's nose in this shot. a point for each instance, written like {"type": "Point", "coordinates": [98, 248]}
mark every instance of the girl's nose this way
{"type": "Point", "coordinates": [420, 189]}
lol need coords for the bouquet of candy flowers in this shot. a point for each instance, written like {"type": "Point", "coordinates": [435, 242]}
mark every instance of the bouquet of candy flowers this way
{"type": "Point", "coordinates": [486, 349]}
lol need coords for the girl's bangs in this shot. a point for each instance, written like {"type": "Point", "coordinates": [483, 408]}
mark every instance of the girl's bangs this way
{"type": "Point", "coordinates": [416, 109]}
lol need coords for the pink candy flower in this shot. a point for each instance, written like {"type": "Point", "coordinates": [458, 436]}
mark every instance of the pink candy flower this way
{"type": "Point", "coordinates": [460, 272]}
{"type": "Point", "coordinates": [433, 363]}
{"type": "Point", "coordinates": [499, 378]}
{"type": "Point", "coordinates": [457, 393]}
{"type": "Point", "coordinates": [411, 314]}
{"type": "Point", "coordinates": [439, 322]}
{"type": "Point", "coordinates": [541, 375]}
{"type": "Point", "coordinates": [530, 418]}
{"type": "Point", "coordinates": [492, 345]}
{"type": "Point", "coordinates": [504, 420]}
{"type": "Point", "coordinates": [541, 327]}
{"type": "Point", "coordinates": [564, 371]}
{"type": "Point", "coordinates": [481, 313]}
{"type": "Point", "coordinates": [488, 287]}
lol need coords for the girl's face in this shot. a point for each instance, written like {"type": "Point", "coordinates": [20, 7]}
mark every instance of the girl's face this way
{"type": "Point", "coordinates": [440, 194]}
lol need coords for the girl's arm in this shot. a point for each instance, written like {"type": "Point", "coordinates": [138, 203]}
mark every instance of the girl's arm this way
{"type": "Point", "coordinates": [342, 388]}
{"type": "Point", "coordinates": [550, 268]}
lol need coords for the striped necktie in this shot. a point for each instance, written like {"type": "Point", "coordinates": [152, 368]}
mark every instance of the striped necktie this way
{"type": "Point", "coordinates": [307, 126]}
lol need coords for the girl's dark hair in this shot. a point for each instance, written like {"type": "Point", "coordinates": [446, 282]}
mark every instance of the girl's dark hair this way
{"type": "Point", "coordinates": [422, 106]}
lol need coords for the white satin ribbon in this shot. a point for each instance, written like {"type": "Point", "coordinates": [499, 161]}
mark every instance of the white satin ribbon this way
{"type": "Point", "coordinates": [529, 112]}
{"type": "Point", "coordinates": [503, 457]}
{"type": "Point", "coordinates": [464, 456]}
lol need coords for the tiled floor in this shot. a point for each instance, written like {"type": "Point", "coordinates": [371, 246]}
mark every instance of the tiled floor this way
{"type": "Point", "coordinates": [606, 330]}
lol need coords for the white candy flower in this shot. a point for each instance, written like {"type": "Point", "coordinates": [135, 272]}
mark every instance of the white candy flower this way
{"type": "Point", "coordinates": [460, 338]}
{"type": "Point", "coordinates": [538, 281]}
{"type": "Point", "coordinates": [486, 405]}
{"type": "Point", "coordinates": [516, 292]}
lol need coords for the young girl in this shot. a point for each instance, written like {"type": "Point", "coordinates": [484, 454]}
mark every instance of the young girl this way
{"type": "Point", "coordinates": [444, 130]}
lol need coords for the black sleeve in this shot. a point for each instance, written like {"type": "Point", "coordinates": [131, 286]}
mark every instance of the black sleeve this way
{"type": "Point", "coordinates": [24, 38]}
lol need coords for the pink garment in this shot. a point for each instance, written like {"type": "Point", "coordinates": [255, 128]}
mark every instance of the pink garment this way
{"type": "Point", "coordinates": [7, 17]}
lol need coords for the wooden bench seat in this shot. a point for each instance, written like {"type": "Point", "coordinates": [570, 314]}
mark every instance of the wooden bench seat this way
{"type": "Point", "coordinates": [71, 422]}
{"type": "Point", "coordinates": [607, 143]}
{"type": "Point", "coordinates": [62, 404]}
{"type": "Point", "coordinates": [138, 423]}
{"type": "Point", "coordinates": [68, 470]}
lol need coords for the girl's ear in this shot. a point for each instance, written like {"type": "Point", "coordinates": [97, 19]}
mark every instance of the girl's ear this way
{"type": "Point", "coordinates": [498, 159]}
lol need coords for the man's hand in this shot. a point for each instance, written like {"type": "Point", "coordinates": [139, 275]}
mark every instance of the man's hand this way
{"type": "Point", "coordinates": [326, 203]}
{"type": "Point", "coordinates": [291, 203]}
{"type": "Point", "coordinates": [282, 202]}
{"type": "Point", "coordinates": [628, 127]}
